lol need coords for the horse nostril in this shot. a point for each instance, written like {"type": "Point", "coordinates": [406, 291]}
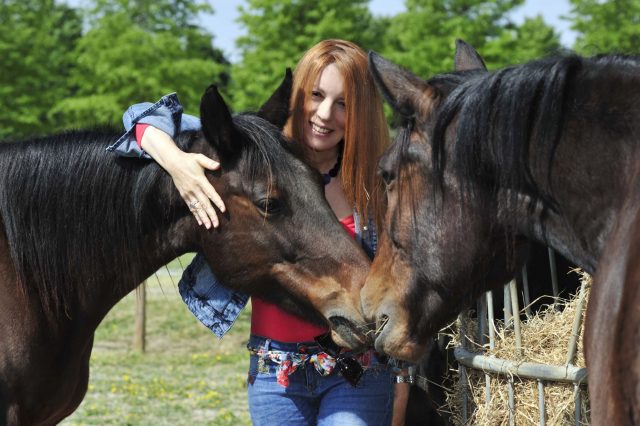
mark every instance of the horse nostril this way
{"type": "Point", "coordinates": [381, 322]}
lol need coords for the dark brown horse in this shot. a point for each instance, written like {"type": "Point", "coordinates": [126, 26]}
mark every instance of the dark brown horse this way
{"type": "Point", "coordinates": [82, 227]}
{"type": "Point", "coordinates": [546, 150]}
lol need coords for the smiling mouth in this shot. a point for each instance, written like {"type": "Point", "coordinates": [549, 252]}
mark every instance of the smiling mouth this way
{"type": "Point", "coordinates": [319, 129]}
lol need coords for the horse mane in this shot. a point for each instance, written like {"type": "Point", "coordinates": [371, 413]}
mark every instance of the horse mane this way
{"type": "Point", "coordinates": [73, 212]}
{"type": "Point", "coordinates": [501, 115]}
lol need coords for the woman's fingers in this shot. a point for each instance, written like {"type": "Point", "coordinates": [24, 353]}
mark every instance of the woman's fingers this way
{"type": "Point", "coordinates": [204, 213]}
{"type": "Point", "coordinates": [211, 194]}
{"type": "Point", "coordinates": [207, 162]}
{"type": "Point", "coordinates": [207, 212]}
{"type": "Point", "coordinates": [193, 208]}
{"type": "Point", "coordinates": [206, 187]}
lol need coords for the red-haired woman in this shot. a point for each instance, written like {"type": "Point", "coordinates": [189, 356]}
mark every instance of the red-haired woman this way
{"type": "Point", "coordinates": [337, 116]}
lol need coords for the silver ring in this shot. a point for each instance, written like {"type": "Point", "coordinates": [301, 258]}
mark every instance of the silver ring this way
{"type": "Point", "coordinates": [193, 205]}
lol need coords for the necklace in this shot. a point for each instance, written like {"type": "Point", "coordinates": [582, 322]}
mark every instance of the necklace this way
{"type": "Point", "coordinates": [326, 177]}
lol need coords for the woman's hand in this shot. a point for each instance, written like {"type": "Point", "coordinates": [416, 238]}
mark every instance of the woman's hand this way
{"type": "Point", "coordinates": [188, 173]}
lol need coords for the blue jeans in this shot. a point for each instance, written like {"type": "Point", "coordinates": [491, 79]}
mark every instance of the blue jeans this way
{"type": "Point", "coordinates": [312, 399]}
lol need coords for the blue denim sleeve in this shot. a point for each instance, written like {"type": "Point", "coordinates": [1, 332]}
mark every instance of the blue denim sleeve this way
{"type": "Point", "coordinates": [166, 115]}
{"type": "Point", "coordinates": [214, 305]}
{"type": "Point", "coordinates": [367, 237]}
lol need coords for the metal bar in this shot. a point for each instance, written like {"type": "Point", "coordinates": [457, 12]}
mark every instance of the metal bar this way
{"type": "Point", "coordinates": [575, 329]}
{"type": "Point", "coordinates": [531, 370]}
{"type": "Point", "coordinates": [515, 308]}
{"type": "Point", "coordinates": [492, 344]}
{"type": "Point", "coordinates": [541, 406]}
{"type": "Point", "coordinates": [482, 321]}
{"type": "Point", "coordinates": [525, 287]}
{"type": "Point", "coordinates": [578, 402]}
{"type": "Point", "coordinates": [462, 371]}
{"type": "Point", "coordinates": [487, 389]}
{"type": "Point", "coordinates": [554, 272]}
{"type": "Point", "coordinates": [491, 322]}
{"type": "Point", "coordinates": [507, 306]}
{"type": "Point", "coordinates": [512, 402]}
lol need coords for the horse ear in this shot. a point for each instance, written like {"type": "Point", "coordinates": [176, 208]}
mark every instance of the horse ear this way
{"type": "Point", "coordinates": [276, 109]}
{"type": "Point", "coordinates": [217, 124]}
{"type": "Point", "coordinates": [407, 93]}
{"type": "Point", "coordinates": [467, 58]}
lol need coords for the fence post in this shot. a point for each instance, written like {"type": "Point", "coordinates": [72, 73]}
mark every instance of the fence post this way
{"type": "Point", "coordinates": [139, 340]}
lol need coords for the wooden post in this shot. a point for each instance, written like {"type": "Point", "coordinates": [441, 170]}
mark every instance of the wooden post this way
{"type": "Point", "coordinates": [139, 341]}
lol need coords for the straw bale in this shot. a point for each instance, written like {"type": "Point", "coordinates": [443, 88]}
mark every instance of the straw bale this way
{"type": "Point", "coordinates": [545, 340]}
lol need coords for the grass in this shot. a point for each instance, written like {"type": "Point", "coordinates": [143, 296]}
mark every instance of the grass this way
{"type": "Point", "coordinates": [186, 375]}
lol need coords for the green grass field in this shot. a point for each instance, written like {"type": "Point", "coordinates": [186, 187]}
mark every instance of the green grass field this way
{"type": "Point", "coordinates": [186, 376]}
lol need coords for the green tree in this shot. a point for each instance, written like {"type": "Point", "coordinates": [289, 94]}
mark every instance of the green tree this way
{"type": "Point", "coordinates": [36, 42]}
{"type": "Point", "coordinates": [280, 31]}
{"type": "Point", "coordinates": [135, 51]}
{"type": "Point", "coordinates": [606, 26]}
{"type": "Point", "coordinates": [422, 38]}
{"type": "Point", "coordinates": [517, 44]}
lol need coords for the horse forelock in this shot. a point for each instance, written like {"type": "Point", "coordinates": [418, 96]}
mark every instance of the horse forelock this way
{"type": "Point", "coordinates": [264, 149]}
{"type": "Point", "coordinates": [73, 212]}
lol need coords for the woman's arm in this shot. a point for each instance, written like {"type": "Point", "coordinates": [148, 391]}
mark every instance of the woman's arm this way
{"type": "Point", "coordinates": [188, 173]}
{"type": "Point", "coordinates": [149, 132]}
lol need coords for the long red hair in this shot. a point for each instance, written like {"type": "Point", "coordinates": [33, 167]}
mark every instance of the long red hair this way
{"type": "Point", "coordinates": [366, 132]}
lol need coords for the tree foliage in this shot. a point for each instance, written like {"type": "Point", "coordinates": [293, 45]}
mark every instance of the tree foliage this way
{"type": "Point", "coordinates": [606, 26]}
{"type": "Point", "coordinates": [74, 67]}
{"type": "Point", "coordinates": [423, 38]}
{"type": "Point", "coordinates": [521, 43]}
{"type": "Point", "coordinates": [128, 56]}
{"type": "Point", "coordinates": [36, 41]}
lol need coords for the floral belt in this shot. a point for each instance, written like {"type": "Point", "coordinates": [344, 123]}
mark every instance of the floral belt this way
{"type": "Point", "coordinates": [288, 362]}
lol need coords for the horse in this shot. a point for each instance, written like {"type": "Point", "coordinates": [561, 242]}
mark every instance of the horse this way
{"type": "Point", "coordinates": [546, 150]}
{"type": "Point", "coordinates": [432, 371]}
{"type": "Point", "coordinates": [82, 227]}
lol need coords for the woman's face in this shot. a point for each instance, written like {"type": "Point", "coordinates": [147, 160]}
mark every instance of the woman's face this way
{"type": "Point", "coordinates": [325, 111]}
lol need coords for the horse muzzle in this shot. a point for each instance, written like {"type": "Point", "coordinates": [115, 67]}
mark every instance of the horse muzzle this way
{"type": "Point", "coordinates": [349, 334]}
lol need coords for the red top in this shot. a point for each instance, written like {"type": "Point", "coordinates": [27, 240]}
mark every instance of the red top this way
{"type": "Point", "coordinates": [268, 320]}
{"type": "Point", "coordinates": [140, 128]}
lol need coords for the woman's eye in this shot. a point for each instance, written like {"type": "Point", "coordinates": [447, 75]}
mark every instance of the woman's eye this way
{"type": "Point", "coordinates": [316, 95]}
{"type": "Point", "coordinates": [268, 205]}
{"type": "Point", "coordinates": [341, 104]}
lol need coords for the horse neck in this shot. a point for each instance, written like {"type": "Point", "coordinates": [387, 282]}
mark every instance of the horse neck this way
{"type": "Point", "coordinates": [100, 225]}
{"type": "Point", "coordinates": [157, 249]}
{"type": "Point", "coordinates": [590, 179]}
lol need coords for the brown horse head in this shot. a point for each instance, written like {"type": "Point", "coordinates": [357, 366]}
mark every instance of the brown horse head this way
{"type": "Point", "coordinates": [282, 241]}
{"type": "Point", "coordinates": [95, 225]}
{"type": "Point", "coordinates": [421, 277]}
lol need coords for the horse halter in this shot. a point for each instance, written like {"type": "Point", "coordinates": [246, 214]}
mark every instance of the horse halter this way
{"type": "Point", "coordinates": [350, 369]}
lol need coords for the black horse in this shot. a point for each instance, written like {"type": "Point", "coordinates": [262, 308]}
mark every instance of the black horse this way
{"type": "Point", "coordinates": [82, 227]}
{"type": "Point", "coordinates": [547, 150]}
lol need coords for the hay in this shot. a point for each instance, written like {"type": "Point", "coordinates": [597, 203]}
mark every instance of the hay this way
{"type": "Point", "coordinates": [545, 340]}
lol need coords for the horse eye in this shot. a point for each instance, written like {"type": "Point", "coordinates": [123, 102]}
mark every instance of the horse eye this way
{"type": "Point", "coordinates": [268, 205]}
{"type": "Point", "coordinates": [386, 175]}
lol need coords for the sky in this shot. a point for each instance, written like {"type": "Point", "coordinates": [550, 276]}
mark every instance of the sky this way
{"type": "Point", "coordinates": [222, 23]}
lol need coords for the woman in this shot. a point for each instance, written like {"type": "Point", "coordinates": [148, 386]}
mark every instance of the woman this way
{"type": "Point", "coordinates": [337, 115]}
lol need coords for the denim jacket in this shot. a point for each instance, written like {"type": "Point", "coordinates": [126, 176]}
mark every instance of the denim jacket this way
{"type": "Point", "coordinates": [216, 306]}
{"type": "Point", "coordinates": [166, 115]}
